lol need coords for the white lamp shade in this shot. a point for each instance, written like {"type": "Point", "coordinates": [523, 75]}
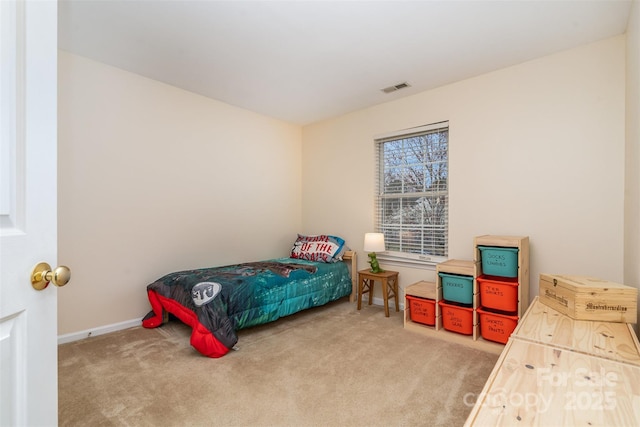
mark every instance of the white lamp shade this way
{"type": "Point", "coordinates": [374, 242]}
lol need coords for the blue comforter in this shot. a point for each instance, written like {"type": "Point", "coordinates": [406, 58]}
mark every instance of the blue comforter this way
{"type": "Point", "coordinates": [218, 301]}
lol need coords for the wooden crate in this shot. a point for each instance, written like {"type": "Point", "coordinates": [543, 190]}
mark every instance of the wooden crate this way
{"type": "Point", "coordinates": [556, 370]}
{"type": "Point", "coordinates": [608, 340]}
{"type": "Point", "coordinates": [535, 384]}
{"type": "Point", "coordinates": [588, 298]}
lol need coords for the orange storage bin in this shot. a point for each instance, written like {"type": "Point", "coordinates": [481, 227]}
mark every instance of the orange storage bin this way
{"type": "Point", "coordinates": [457, 319]}
{"type": "Point", "coordinates": [498, 293]}
{"type": "Point", "coordinates": [422, 310]}
{"type": "Point", "coordinates": [496, 326]}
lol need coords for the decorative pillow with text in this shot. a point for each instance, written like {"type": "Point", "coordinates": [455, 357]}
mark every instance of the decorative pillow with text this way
{"type": "Point", "coordinates": [322, 248]}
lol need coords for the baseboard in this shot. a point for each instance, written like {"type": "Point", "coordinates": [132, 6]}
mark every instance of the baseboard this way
{"type": "Point", "coordinates": [101, 330]}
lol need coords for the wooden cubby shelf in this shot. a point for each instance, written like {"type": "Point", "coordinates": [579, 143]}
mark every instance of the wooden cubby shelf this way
{"type": "Point", "coordinates": [522, 244]}
{"type": "Point", "coordinates": [433, 290]}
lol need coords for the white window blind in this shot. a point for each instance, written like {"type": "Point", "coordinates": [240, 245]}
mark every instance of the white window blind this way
{"type": "Point", "coordinates": [412, 197]}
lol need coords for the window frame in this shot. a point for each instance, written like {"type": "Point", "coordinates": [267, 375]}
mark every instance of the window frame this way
{"type": "Point", "coordinates": [412, 259]}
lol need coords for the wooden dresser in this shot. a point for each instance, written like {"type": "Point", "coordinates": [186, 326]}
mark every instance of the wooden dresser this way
{"type": "Point", "coordinates": [557, 371]}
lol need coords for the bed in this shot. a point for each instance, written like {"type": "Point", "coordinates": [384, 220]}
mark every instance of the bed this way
{"type": "Point", "coordinates": [218, 301]}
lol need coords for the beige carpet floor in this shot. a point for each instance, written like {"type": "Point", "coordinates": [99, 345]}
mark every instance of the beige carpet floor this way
{"type": "Point", "coordinates": [329, 366]}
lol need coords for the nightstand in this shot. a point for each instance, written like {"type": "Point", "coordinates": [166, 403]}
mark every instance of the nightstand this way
{"type": "Point", "coordinates": [389, 280]}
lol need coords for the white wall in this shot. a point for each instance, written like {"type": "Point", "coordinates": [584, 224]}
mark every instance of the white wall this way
{"type": "Point", "coordinates": [632, 155]}
{"type": "Point", "coordinates": [536, 149]}
{"type": "Point", "coordinates": [144, 174]}
{"type": "Point", "coordinates": [154, 179]}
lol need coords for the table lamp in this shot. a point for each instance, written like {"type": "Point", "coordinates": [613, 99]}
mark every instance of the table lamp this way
{"type": "Point", "coordinates": [374, 242]}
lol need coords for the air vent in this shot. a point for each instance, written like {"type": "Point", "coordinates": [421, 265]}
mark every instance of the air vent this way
{"type": "Point", "coordinates": [396, 87]}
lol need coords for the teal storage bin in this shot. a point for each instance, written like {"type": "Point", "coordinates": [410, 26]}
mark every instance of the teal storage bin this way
{"type": "Point", "coordinates": [457, 288]}
{"type": "Point", "coordinates": [498, 261]}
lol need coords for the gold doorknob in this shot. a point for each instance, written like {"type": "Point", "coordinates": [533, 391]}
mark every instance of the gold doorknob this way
{"type": "Point", "coordinates": [42, 275]}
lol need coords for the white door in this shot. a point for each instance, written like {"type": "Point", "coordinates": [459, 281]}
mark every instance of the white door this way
{"type": "Point", "coordinates": [28, 205]}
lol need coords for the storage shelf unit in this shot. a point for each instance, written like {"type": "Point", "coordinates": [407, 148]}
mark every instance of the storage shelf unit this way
{"type": "Point", "coordinates": [428, 290]}
{"type": "Point", "coordinates": [473, 268]}
{"type": "Point", "coordinates": [462, 268]}
{"type": "Point", "coordinates": [453, 266]}
{"type": "Point", "coordinates": [522, 244]}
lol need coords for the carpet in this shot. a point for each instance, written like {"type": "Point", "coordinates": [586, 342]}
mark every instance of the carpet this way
{"type": "Point", "coordinates": [328, 366]}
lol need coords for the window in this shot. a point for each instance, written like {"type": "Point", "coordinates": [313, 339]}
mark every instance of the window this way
{"type": "Point", "coordinates": [412, 192]}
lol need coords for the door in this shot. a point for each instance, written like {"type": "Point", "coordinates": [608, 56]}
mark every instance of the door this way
{"type": "Point", "coordinates": [28, 204]}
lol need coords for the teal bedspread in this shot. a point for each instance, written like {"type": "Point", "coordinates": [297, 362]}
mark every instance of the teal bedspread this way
{"type": "Point", "coordinates": [218, 301]}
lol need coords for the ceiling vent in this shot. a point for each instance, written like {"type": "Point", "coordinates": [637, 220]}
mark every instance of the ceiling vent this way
{"type": "Point", "coordinates": [396, 87]}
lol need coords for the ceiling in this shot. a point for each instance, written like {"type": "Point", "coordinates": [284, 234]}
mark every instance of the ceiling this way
{"type": "Point", "coordinates": [305, 61]}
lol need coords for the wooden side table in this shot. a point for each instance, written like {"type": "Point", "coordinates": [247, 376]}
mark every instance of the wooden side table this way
{"type": "Point", "coordinates": [389, 280]}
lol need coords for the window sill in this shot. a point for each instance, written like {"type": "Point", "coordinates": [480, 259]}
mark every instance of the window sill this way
{"type": "Point", "coordinates": [422, 262]}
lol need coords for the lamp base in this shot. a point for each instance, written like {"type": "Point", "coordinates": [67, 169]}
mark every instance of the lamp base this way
{"type": "Point", "coordinates": [373, 261]}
